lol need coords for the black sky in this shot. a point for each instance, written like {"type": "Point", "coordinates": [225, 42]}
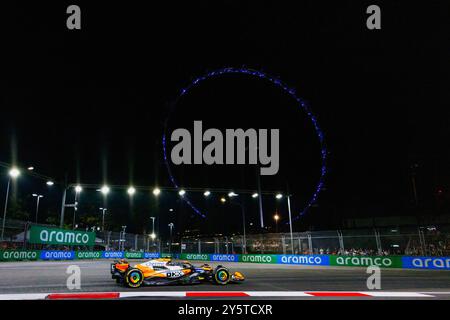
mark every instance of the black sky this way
{"type": "Point", "coordinates": [91, 103]}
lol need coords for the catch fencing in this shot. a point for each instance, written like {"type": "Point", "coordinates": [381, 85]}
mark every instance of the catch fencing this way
{"type": "Point", "coordinates": [427, 241]}
{"type": "Point", "coordinates": [417, 241]}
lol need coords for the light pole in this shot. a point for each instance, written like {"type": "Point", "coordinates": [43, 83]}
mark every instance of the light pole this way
{"type": "Point", "coordinates": [13, 174]}
{"type": "Point", "coordinates": [38, 197]}
{"type": "Point", "coordinates": [103, 218]}
{"type": "Point", "coordinates": [171, 225]}
{"type": "Point", "coordinates": [279, 196]}
{"type": "Point", "coordinates": [153, 235]}
{"type": "Point", "coordinates": [276, 217]}
{"type": "Point", "coordinates": [78, 189]}
{"type": "Point", "coordinates": [261, 212]}
{"type": "Point", "coordinates": [231, 195]}
{"type": "Point", "coordinates": [63, 206]}
{"type": "Point", "coordinates": [290, 222]}
{"type": "Point", "coordinates": [104, 190]}
{"type": "Point", "coordinates": [122, 238]}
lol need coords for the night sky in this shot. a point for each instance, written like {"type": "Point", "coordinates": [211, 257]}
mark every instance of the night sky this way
{"type": "Point", "coordinates": [91, 104]}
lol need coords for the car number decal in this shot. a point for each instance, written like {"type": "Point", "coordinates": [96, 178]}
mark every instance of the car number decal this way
{"type": "Point", "coordinates": [174, 274]}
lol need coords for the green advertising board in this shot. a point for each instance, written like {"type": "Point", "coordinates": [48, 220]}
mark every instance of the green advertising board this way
{"type": "Point", "coordinates": [258, 258]}
{"type": "Point", "coordinates": [365, 261]}
{"type": "Point", "coordinates": [45, 235]}
{"type": "Point", "coordinates": [88, 255]}
{"type": "Point", "coordinates": [194, 256]}
{"type": "Point", "coordinates": [134, 255]}
{"type": "Point", "coordinates": [164, 255]}
{"type": "Point", "coordinates": [17, 255]}
{"type": "Point", "coordinates": [334, 260]}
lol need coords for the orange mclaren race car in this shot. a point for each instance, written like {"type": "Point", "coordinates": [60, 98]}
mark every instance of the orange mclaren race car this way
{"type": "Point", "coordinates": [164, 271]}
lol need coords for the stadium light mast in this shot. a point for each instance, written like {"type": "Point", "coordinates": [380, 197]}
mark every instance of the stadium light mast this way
{"type": "Point", "coordinates": [13, 174]}
{"type": "Point", "coordinates": [290, 221]}
{"type": "Point", "coordinates": [122, 238]}
{"type": "Point", "coordinates": [232, 195]}
{"type": "Point", "coordinates": [153, 235]}
{"type": "Point", "coordinates": [103, 218]}
{"type": "Point", "coordinates": [78, 190]}
{"type": "Point", "coordinates": [276, 217]}
{"type": "Point", "coordinates": [171, 225]}
{"type": "Point", "coordinates": [279, 196]}
{"type": "Point", "coordinates": [260, 204]}
{"type": "Point", "coordinates": [38, 197]}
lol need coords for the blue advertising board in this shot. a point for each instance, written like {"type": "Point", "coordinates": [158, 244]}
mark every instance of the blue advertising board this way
{"type": "Point", "coordinates": [57, 255]}
{"type": "Point", "coordinates": [442, 263]}
{"type": "Point", "coordinates": [113, 254]}
{"type": "Point", "coordinates": [313, 260]}
{"type": "Point", "coordinates": [151, 255]}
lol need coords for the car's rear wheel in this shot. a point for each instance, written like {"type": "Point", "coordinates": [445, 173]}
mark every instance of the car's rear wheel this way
{"type": "Point", "coordinates": [134, 278]}
{"type": "Point", "coordinates": [221, 276]}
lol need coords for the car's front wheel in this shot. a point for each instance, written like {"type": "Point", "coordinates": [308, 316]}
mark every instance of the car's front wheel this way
{"type": "Point", "coordinates": [221, 276]}
{"type": "Point", "coordinates": [134, 278]}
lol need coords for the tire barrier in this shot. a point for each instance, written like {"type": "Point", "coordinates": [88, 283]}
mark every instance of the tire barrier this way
{"type": "Point", "coordinates": [405, 262]}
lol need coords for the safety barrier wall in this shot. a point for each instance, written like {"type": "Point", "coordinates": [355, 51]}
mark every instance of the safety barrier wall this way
{"type": "Point", "coordinates": [406, 262]}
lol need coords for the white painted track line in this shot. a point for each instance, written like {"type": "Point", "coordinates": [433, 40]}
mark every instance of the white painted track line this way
{"type": "Point", "coordinates": [23, 296]}
{"type": "Point", "coordinates": [180, 294]}
{"type": "Point", "coordinates": [397, 294]}
{"type": "Point", "coordinates": [183, 294]}
{"type": "Point", "coordinates": [277, 294]}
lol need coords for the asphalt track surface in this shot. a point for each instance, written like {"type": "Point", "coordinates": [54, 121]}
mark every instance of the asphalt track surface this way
{"type": "Point", "coordinates": [51, 277]}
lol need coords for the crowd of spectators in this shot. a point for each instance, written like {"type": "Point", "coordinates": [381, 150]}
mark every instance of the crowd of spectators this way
{"type": "Point", "coordinates": [440, 248]}
{"type": "Point", "coordinates": [436, 248]}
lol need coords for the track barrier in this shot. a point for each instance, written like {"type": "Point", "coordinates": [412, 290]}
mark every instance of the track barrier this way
{"type": "Point", "coordinates": [405, 262]}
